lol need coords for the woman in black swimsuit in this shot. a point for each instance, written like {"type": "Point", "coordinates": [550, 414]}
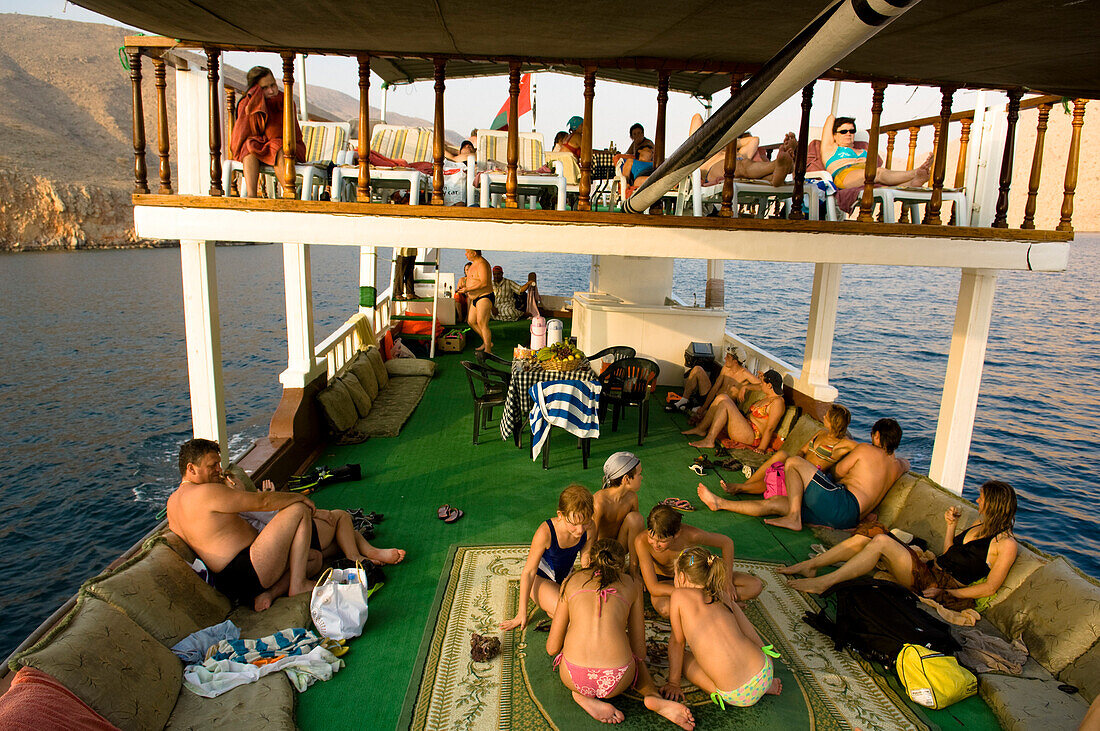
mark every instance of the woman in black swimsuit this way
{"type": "Point", "coordinates": [985, 550]}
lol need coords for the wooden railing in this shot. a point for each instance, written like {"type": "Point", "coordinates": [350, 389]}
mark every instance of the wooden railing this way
{"type": "Point", "coordinates": [160, 48]}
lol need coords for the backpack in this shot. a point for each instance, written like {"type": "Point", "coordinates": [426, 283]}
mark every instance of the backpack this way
{"type": "Point", "coordinates": [876, 618]}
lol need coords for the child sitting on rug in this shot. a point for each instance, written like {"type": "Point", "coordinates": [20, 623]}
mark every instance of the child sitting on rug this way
{"type": "Point", "coordinates": [616, 513]}
{"type": "Point", "coordinates": [664, 539]}
{"type": "Point", "coordinates": [553, 552]}
{"type": "Point", "coordinates": [726, 652]}
{"type": "Point", "coordinates": [598, 639]}
{"type": "Point", "coordinates": [824, 450]}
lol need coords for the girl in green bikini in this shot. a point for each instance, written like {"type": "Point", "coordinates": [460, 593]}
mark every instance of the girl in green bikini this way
{"type": "Point", "coordinates": [727, 659]}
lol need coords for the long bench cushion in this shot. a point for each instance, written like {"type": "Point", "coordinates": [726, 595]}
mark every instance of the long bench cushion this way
{"type": "Point", "coordinates": [110, 663]}
{"type": "Point", "coordinates": [1025, 704]}
{"type": "Point", "coordinates": [802, 431]}
{"type": "Point", "coordinates": [358, 395]}
{"type": "Point", "coordinates": [266, 704]}
{"type": "Point", "coordinates": [410, 367]}
{"type": "Point", "coordinates": [894, 500]}
{"type": "Point", "coordinates": [363, 369]}
{"type": "Point", "coordinates": [162, 594]}
{"type": "Point", "coordinates": [174, 542]}
{"type": "Point", "coordinates": [1056, 611]}
{"type": "Point", "coordinates": [922, 512]}
{"type": "Point", "coordinates": [1027, 562]}
{"type": "Point", "coordinates": [284, 613]}
{"type": "Point", "coordinates": [337, 406]}
{"type": "Point", "coordinates": [393, 407]}
{"type": "Point", "coordinates": [1084, 672]}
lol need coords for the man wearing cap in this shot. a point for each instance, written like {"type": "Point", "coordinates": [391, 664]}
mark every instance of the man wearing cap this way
{"type": "Point", "coordinates": [505, 292]}
{"type": "Point", "coordinates": [731, 378]}
{"type": "Point", "coordinates": [615, 512]}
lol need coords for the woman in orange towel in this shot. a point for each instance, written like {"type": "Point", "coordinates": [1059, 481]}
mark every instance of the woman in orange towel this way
{"type": "Point", "coordinates": [258, 132]}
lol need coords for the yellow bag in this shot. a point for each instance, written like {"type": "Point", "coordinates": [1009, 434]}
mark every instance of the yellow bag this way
{"type": "Point", "coordinates": [933, 679]}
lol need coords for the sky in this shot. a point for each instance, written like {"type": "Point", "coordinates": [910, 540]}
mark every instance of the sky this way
{"type": "Point", "coordinates": [473, 103]}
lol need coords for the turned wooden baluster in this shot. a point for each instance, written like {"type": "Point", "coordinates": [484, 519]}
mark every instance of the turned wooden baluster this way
{"type": "Point", "coordinates": [511, 181]}
{"type": "Point", "coordinates": [911, 160]}
{"type": "Point", "coordinates": [362, 191]}
{"type": "Point", "coordinates": [867, 202]}
{"type": "Point", "coordinates": [800, 156]}
{"type": "Point", "coordinates": [440, 131]}
{"type": "Point", "coordinates": [729, 169]}
{"type": "Point", "coordinates": [1036, 167]}
{"type": "Point", "coordinates": [287, 175]}
{"type": "Point", "coordinates": [212, 56]}
{"type": "Point", "coordinates": [659, 132]}
{"type": "Point", "coordinates": [939, 162]}
{"type": "Point", "coordinates": [1066, 223]}
{"type": "Point", "coordinates": [935, 146]}
{"type": "Point", "coordinates": [141, 184]}
{"type": "Point", "coordinates": [890, 147]}
{"type": "Point", "coordinates": [964, 141]}
{"type": "Point", "coordinates": [160, 81]}
{"type": "Point", "coordinates": [230, 121]}
{"type": "Point", "coordinates": [585, 186]}
{"type": "Point", "coordinates": [1000, 219]}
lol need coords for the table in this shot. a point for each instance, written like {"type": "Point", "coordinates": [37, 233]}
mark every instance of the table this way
{"type": "Point", "coordinates": [518, 403]}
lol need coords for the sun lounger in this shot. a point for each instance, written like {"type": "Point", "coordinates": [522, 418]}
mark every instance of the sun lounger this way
{"type": "Point", "coordinates": [411, 144]}
{"type": "Point", "coordinates": [492, 164]}
{"type": "Point", "coordinates": [324, 141]}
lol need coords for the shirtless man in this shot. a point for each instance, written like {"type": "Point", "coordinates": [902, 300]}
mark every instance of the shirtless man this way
{"type": "Point", "coordinates": [731, 380]}
{"type": "Point", "coordinates": [658, 548]}
{"type": "Point", "coordinates": [615, 507]}
{"type": "Point", "coordinates": [816, 498]}
{"type": "Point", "coordinates": [245, 565]}
{"type": "Point", "coordinates": [479, 293]}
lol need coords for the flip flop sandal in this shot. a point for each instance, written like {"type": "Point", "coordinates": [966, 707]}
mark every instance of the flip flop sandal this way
{"type": "Point", "coordinates": [454, 515]}
{"type": "Point", "coordinates": [721, 451]}
{"type": "Point", "coordinates": [732, 464]}
{"type": "Point", "coordinates": [444, 511]}
{"type": "Point", "coordinates": [374, 517]}
{"type": "Point", "coordinates": [679, 504]}
{"type": "Point", "coordinates": [697, 469]}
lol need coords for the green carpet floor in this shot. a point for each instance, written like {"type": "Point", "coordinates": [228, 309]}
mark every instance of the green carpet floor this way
{"type": "Point", "coordinates": [505, 496]}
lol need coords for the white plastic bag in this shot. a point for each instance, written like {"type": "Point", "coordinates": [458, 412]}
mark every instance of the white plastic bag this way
{"type": "Point", "coordinates": [338, 605]}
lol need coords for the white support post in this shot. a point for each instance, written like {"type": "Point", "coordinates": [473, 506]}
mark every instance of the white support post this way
{"type": "Point", "coordinates": [302, 366]}
{"type": "Point", "coordinates": [814, 380]}
{"type": "Point", "coordinates": [368, 267]}
{"type": "Point", "coordinates": [204, 348]}
{"type": "Point", "coordinates": [594, 274]}
{"type": "Point", "coordinates": [964, 376]}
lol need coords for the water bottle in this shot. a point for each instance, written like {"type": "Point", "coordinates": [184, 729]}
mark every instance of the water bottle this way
{"type": "Point", "coordinates": [538, 333]}
{"type": "Point", "coordinates": [554, 329]}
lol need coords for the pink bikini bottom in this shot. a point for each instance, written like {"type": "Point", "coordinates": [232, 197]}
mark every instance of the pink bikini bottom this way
{"type": "Point", "coordinates": [596, 682]}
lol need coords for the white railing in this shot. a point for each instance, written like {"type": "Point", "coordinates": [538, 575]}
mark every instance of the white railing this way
{"type": "Point", "coordinates": [757, 359]}
{"type": "Point", "coordinates": [340, 347]}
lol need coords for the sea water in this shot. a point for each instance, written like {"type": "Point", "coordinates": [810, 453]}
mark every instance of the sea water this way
{"type": "Point", "coordinates": [94, 395]}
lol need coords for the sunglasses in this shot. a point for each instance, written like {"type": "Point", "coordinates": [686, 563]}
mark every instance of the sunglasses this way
{"type": "Point", "coordinates": [850, 131]}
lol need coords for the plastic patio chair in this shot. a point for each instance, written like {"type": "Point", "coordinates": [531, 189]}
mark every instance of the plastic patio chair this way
{"type": "Point", "coordinates": [494, 389]}
{"type": "Point", "coordinates": [618, 352]}
{"type": "Point", "coordinates": [627, 383]}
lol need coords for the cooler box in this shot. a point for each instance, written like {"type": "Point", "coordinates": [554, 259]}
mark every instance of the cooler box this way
{"type": "Point", "coordinates": [698, 354]}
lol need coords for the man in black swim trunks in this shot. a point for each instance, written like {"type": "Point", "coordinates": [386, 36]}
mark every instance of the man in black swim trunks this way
{"type": "Point", "coordinates": [479, 291]}
{"type": "Point", "coordinates": [248, 567]}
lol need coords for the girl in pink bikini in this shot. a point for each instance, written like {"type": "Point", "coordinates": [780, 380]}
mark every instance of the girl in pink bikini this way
{"type": "Point", "coordinates": [598, 638]}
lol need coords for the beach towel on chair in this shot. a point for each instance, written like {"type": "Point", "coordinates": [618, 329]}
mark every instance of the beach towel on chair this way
{"type": "Point", "coordinates": [571, 405]}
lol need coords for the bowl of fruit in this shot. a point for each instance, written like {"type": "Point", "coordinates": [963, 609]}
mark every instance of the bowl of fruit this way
{"type": "Point", "coordinates": [560, 357]}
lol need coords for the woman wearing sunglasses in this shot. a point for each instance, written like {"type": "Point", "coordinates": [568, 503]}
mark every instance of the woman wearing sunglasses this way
{"type": "Point", "coordinates": [846, 164]}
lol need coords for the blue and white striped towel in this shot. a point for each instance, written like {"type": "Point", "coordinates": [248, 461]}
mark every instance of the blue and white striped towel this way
{"type": "Point", "coordinates": [571, 405]}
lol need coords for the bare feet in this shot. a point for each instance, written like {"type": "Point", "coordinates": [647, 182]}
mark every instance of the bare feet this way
{"type": "Point", "coordinates": [790, 522]}
{"type": "Point", "coordinates": [784, 164]}
{"type": "Point", "coordinates": [678, 713]}
{"type": "Point", "coordinates": [775, 688]}
{"type": "Point", "coordinates": [731, 488]}
{"type": "Point", "coordinates": [802, 567]}
{"type": "Point", "coordinates": [302, 587]}
{"type": "Point", "coordinates": [386, 555]}
{"type": "Point", "coordinates": [696, 431]}
{"type": "Point", "coordinates": [708, 498]}
{"type": "Point", "coordinates": [599, 710]}
{"type": "Point", "coordinates": [263, 601]}
{"type": "Point", "coordinates": [810, 586]}
{"type": "Point", "coordinates": [702, 444]}
{"type": "Point", "coordinates": [922, 173]}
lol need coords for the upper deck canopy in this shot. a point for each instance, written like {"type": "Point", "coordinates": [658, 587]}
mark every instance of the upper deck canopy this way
{"type": "Point", "coordinates": [1050, 46]}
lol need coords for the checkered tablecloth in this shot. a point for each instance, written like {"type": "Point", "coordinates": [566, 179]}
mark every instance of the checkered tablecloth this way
{"type": "Point", "coordinates": [517, 404]}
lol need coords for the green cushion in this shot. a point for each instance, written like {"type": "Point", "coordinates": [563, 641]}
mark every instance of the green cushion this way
{"type": "Point", "coordinates": [1027, 562]}
{"type": "Point", "coordinates": [393, 407]}
{"type": "Point", "coordinates": [110, 663]}
{"type": "Point", "coordinates": [337, 406]}
{"type": "Point", "coordinates": [410, 367]}
{"type": "Point", "coordinates": [751, 398]}
{"type": "Point", "coordinates": [267, 705]}
{"type": "Point", "coordinates": [162, 594]}
{"type": "Point", "coordinates": [1026, 704]}
{"type": "Point", "coordinates": [359, 396]}
{"type": "Point", "coordinates": [286, 612]}
{"type": "Point", "coordinates": [363, 369]}
{"type": "Point", "coordinates": [802, 431]}
{"type": "Point", "coordinates": [894, 499]}
{"type": "Point", "coordinates": [1084, 672]}
{"type": "Point", "coordinates": [1056, 611]}
{"type": "Point", "coordinates": [922, 512]}
{"type": "Point", "coordinates": [375, 357]}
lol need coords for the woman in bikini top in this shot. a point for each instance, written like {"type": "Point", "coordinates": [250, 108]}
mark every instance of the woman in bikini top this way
{"type": "Point", "coordinates": [597, 637]}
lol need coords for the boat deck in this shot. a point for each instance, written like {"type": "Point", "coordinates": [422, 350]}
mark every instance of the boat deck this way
{"type": "Point", "coordinates": [504, 495]}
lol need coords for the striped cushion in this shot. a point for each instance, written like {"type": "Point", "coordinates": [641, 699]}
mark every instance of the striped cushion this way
{"type": "Point", "coordinates": [390, 140]}
{"type": "Point", "coordinates": [323, 140]}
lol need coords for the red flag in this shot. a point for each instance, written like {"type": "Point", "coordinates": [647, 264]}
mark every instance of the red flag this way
{"type": "Point", "coordinates": [501, 120]}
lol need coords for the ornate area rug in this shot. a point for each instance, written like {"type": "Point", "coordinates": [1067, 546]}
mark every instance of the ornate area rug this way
{"type": "Point", "coordinates": [822, 688]}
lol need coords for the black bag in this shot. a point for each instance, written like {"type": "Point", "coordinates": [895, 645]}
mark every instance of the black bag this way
{"type": "Point", "coordinates": [875, 618]}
